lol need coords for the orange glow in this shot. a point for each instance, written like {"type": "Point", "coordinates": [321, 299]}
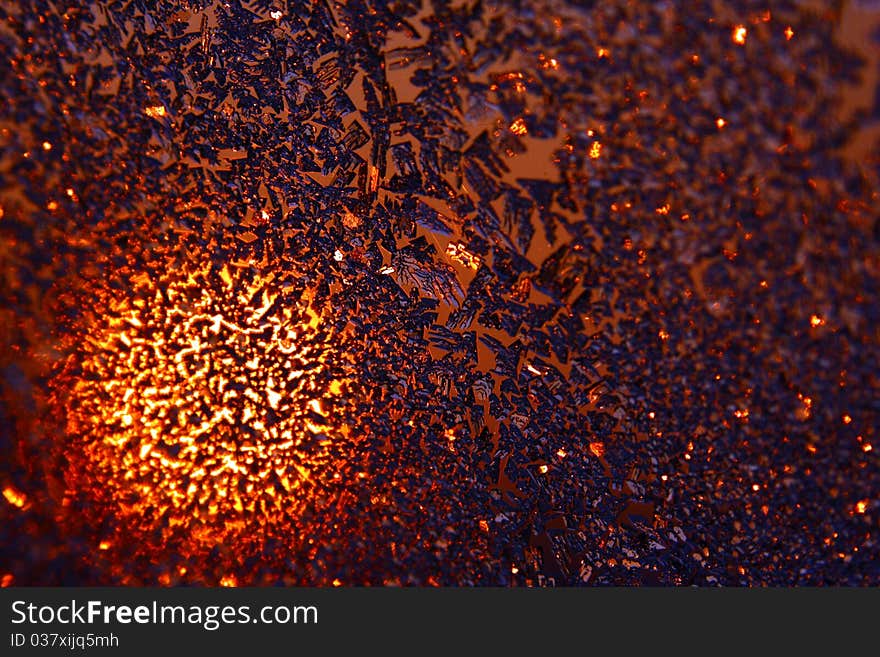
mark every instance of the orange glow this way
{"type": "Point", "coordinates": [350, 220]}
{"type": "Point", "coordinates": [861, 506]}
{"type": "Point", "coordinates": [47, 146]}
{"type": "Point", "coordinates": [518, 127]}
{"type": "Point", "coordinates": [815, 321]}
{"type": "Point", "coordinates": [229, 581]}
{"type": "Point", "coordinates": [458, 252]}
{"type": "Point", "coordinates": [603, 52]}
{"type": "Point", "coordinates": [194, 473]}
{"type": "Point", "coordinates": [598, 449]}
{"type": "Point", "coordinates": [14, 497]}
{"type": "Point", "coordinates": [788, 33]}
{"type": "Point", "coordinates": [720, 123]}
{"type": "Point", "coordinates": [7, 580]}
{"type": "Point", "coordinates": [739, 34]}
{"type": "Point", "coordinates": [595, 150]}
{"type": "Point", "coordinates": [548, 62]}
{"type": "Point", "coordinates": [155, 111]}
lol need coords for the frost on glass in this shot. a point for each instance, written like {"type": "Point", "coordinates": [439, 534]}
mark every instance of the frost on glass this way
{"type": "Point", "coordinates": [436, 293]}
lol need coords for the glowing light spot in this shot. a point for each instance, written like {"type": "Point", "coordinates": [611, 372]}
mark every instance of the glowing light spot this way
{"type": "Point", "coordinates": [14, 497]}
{"type": "Point", "coordinates": [273, 398]}
{"type": "Point", "coordinates": [155, 111]}
{"type": "Point", "coordinates": [458, 252]}
{"type": "Point", "coordinates": [816, 320]}
{"type": "Point", "coordinates": [229, 581]}
{"type": "Point", "coordinates": [788, 33]}
{"type": "Point", "coordinates": [739, 34]}
{"type": "Point", "coordinates": [720, 123]}
{"type": "Point", "coordinates": [52, 206]}
{"type": "Point", "coordinates": [595, 150]}
{"type": "Point", "coordinates": [47, 146]}
{"type": "Point", "coordinates": [104, 545]}
{"type": "Point", "coordinates": [6, 580]}
{"type": "Point", "coordinates": [847, 419]}
{"type": "Point", "coordinates": [603, 52]}
{"type": "Point", "coordinates": [598, 449]}
{"type": "Point", "coordinates": [756, 487]}
{"type": "Point", "coordinates": [543, 469]}
{"type": "Point", "coordinates": [861, 506]}
{"type": "Point", "coordinates": [561, 453]}
{"type": "Point", "coordinates": [210, 471]}
{"type": "Point", "coordinates": [518, 127]}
